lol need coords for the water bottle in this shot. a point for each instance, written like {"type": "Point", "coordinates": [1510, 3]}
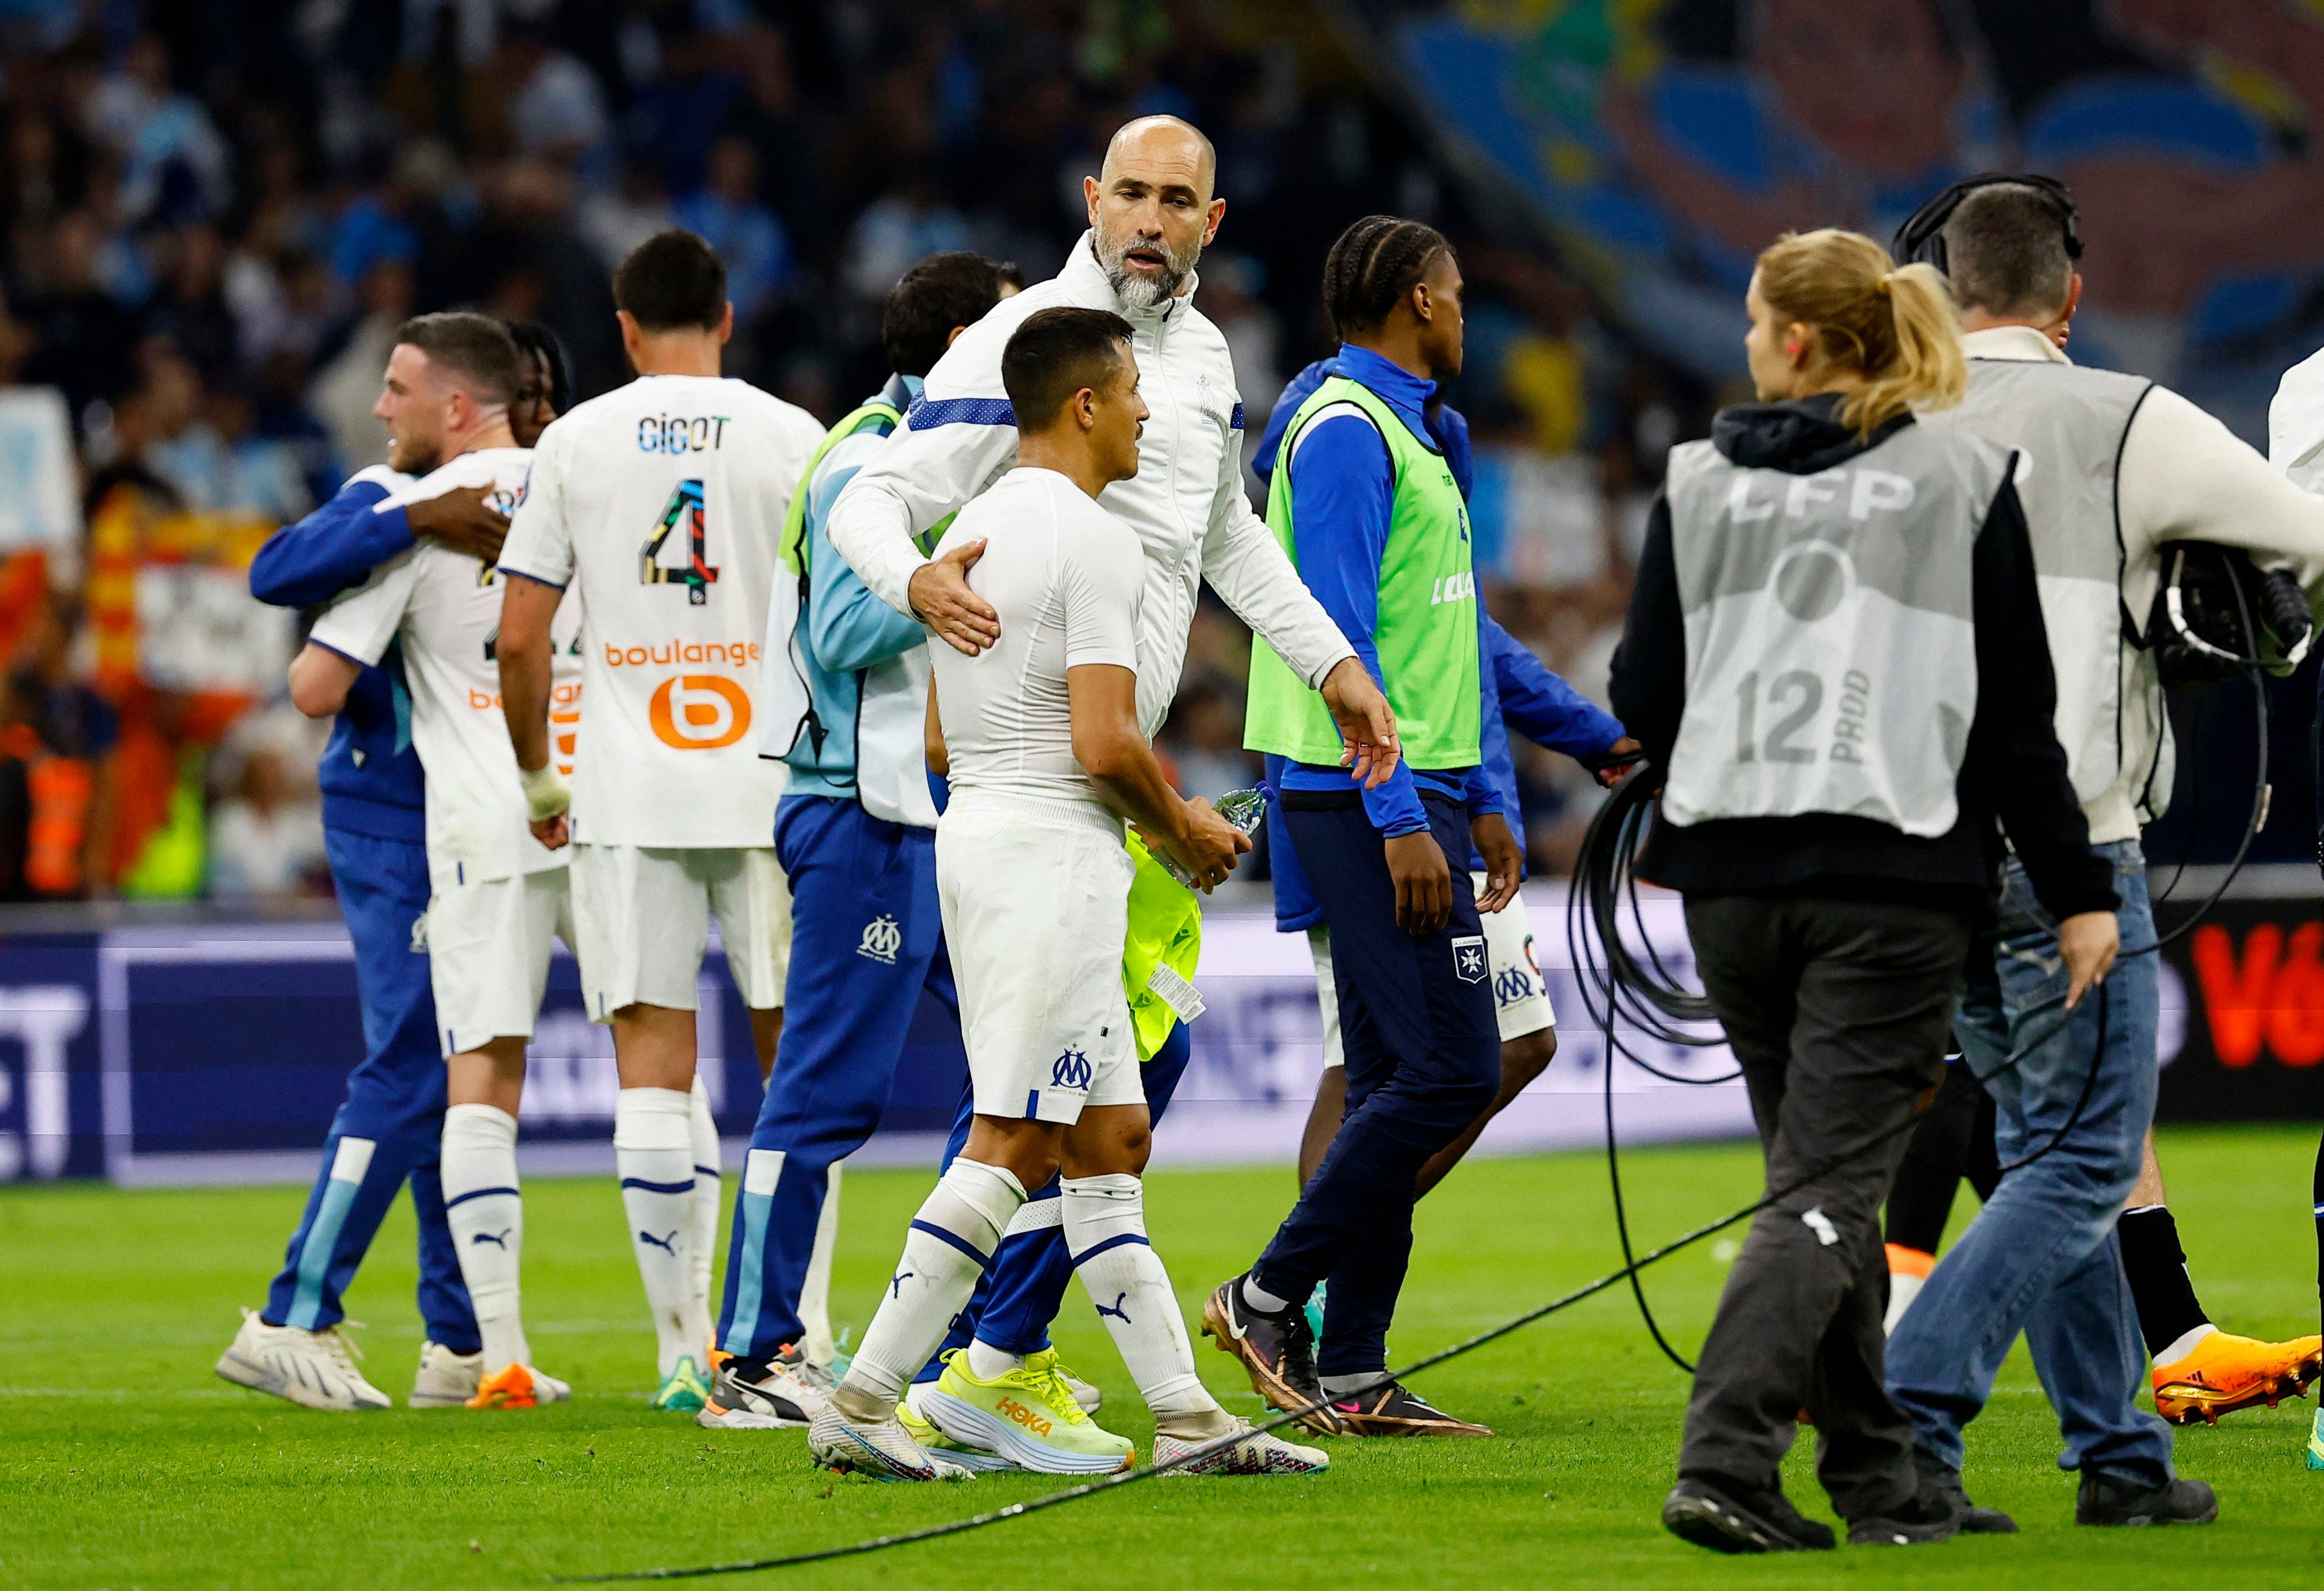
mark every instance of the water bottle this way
{"type": "Point", "coordinates": [1245, 809]}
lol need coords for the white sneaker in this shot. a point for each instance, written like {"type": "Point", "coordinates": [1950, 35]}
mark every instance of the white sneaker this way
{"type": "Point", "coordinates": [1258, 1453]}
{"type": "Point", "coordinates": [445, 1379]}
{"type": "Point", "coordinates": [316, 1369]}
{"type": "Point", "coordinates": [882, 1451]}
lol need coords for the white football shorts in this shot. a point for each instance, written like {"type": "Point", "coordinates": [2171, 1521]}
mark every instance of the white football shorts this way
{"type": "Point", "coordinates": [644, 914]}
{"type": "Point", "coordinates": [488, 949]}
{"type": "Point", "coordinates": [1520, 995]}
{"type": "Point", "coordinates": [1036, 901]}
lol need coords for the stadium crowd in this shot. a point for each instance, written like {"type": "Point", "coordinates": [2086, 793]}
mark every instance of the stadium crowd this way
{"type": "Point", "coordinates": [216, 215]}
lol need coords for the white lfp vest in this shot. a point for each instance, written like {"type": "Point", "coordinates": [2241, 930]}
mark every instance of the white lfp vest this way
{"type": "Point", "coordinates": [1830, 643]}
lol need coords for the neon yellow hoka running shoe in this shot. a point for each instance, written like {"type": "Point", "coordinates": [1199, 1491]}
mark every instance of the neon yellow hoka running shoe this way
{"type": "Point", "coordinates": [683, 1389]}
{"type": "Point", "coordinates": [935, 1442]}
{"type": "Point", "coordinates": [1047, 1363]}
{"type": "Point", "coordinates": [1027, 1416]}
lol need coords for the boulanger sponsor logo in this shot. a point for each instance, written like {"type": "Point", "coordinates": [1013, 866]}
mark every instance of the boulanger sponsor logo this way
{"type": "Point", "coordinates": [883, 938]}
{"type": "Point", "coordinates": [672, 652]}
{"type": "Point", "coordinates": [699, 711]}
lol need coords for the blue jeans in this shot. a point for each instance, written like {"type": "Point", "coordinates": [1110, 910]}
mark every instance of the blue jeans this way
{"type": "Point", "coordinates": [389, 1131]}
{"type": "Point", "coordinates": [2041, 1256]}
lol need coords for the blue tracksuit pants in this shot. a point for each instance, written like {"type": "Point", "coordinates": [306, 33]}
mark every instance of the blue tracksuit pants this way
{"type": "Point", "coordinates": [1019, 1294]}
{"type": "Point", "coordinates": [867, 939]}
{"type": "Point", "coordinates": [1423, 1055]}
{"type": "Point", "coordinates": [390, 1130]}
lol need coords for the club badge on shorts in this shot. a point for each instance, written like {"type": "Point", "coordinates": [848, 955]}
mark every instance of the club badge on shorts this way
{"type": "Point", "coordinates": [1070, 1071]}
{"type": "Point", "coordinates": [1468, 958]}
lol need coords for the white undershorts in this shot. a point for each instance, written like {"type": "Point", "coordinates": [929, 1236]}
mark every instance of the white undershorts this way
{"type": "Point", "coordinates": [644, 916]}
{"type": "Point", "coordinates": [1036, 901]}
{"type": "Point", "coordinates": [488, 949]}
{"type": "Point", "coordinates": [1520, 995]}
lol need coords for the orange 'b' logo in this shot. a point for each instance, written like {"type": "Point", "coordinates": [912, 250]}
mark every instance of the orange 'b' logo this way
{"type": "Point", "coordinates": [700, 712]}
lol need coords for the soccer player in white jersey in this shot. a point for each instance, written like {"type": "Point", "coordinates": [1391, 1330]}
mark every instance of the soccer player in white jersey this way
{"type": "Point", "coordinates": [1045, 759]}
{"type": "Point", "coordinates": [662, 500]}
{"type": "Point", "coordinates": [497, 894]}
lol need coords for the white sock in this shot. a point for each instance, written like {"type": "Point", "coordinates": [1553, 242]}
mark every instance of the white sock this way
{"type": "Point", "coordinates": [486, 1214]}
{"type": "Point", "coordinates": [1105, 1228]}
{"type": "Point", "coordinates": [985, 1361]}
{"type": "Point", "coordinates": [950, 1244]}
{"type": "Point", "coordinates": [2187, 1344]}
{"type": "Point", "coordinates": [653, 1147]}
{"type": "Point", "coordinates": [1259, 1299]}
{"type": "Point", "coordinates": [1904, 1287]}
{"type": "Point", "coordinates": [815, 1292]}
{"type": "Point", "coordinates": [702, 1135]}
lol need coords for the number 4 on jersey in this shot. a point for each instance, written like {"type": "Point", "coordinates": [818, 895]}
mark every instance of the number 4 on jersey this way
{"type": "Point", "coordinates": [695, 573]}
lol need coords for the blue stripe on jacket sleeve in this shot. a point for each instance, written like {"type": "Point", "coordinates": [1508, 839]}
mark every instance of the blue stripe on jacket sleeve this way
{"type": "Point", "coordinates": [926, 413]}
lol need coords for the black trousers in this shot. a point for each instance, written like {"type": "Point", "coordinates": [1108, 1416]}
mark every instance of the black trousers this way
{"type": "Point", "coordinates": [1423, 1053]}
{"type": "Point", "coordinates": [1839, 1010]}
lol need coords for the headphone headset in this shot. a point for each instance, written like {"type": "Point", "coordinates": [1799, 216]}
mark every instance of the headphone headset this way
{"type": "Point", "coordinates": [1921, 238]}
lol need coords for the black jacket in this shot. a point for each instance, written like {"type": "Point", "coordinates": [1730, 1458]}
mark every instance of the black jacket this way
{"type": "Point", "coordinates": [2014, 768]}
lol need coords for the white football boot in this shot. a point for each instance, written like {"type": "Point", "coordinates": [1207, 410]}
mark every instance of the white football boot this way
{"type": "Point", "coordinates": [446, 1380]}
{"type": "Point", "coordinates": [1258, 1453]}
{"type": "Point", "coordinates": [882, 1450]}
{"type": "Point", "coordinates": [314, 1369]}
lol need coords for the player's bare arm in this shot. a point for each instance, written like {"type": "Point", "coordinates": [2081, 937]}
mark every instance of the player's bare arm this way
{"type": "Point", "coordinates": [320, 679]}
{"type": "Point", "coordinates": [1116, 756]}
{"type": "Point", "coordinates": [527, 607]}
{"type": "Point", "coordinates": [1366, 721]}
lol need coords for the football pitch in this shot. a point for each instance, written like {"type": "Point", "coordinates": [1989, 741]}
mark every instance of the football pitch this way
{"type": "Point", "coordinates": [124, 1462]}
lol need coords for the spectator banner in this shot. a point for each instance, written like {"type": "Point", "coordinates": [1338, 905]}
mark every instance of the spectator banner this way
{"type": "Point", "coordinates": [158, 1056]}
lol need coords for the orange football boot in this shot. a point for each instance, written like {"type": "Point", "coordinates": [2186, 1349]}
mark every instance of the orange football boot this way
{"type": "Point", "coordinates": [508, 1388]}
{"type": "Point", "coordinates": [2224, 1373]}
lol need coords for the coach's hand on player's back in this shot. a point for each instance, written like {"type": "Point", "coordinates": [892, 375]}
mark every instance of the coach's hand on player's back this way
{"type": "Point", "coordinates": [1424, 882]}
{"type": "Point", "coordinates": [461, 520]}
{"type": "Point", "coordinates": [1208, 849]}
{"type": "Point", "coordinates": [941, 597]}
{"type": "Point", "coordinates": [1366, 721]}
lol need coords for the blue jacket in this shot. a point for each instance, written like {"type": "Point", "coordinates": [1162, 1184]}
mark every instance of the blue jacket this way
{"type": "Point", "coordinates": [370, 774]}
{"type": "Point", "coordinates": [1519, 690]}
{"type": "Point", "coordinates": [847, 629]}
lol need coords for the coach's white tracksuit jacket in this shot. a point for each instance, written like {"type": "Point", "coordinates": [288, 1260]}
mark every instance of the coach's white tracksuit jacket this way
{"type": "Point", "coordinates": [1186, 503]}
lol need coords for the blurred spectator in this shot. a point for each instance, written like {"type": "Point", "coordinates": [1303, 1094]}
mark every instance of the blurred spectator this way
{"type": "Point", "coordinates": [266, 829]}
{"type": "Point", "coordinates": [897, 229]}
{"type": "Point", "coordinates": [726, 211]}
{"type": "Point", "coordinates": [174, 165]}
{"type": "Point", "coordinates": [348, 383]}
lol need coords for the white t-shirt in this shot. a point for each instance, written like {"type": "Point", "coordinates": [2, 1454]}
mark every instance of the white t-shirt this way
{"type": "Point", "coordinates": [1067, 579]}
{"type": "Point", "coordinates": [663, 501]}
{"type": "Point", "coordinates": [446, 608]}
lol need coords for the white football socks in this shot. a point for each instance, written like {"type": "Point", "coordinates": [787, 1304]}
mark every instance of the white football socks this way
{"type": "Point", "coordinates": [486, 1214]}
{"type": "Point", "coordinates": [950, 1244]}
{"type": "Point", "coordinates": [1105, 1228]}
{"type": "Point", "coordinates": [815, 1341]}
{"type": "Point", "coordinates": [702, 1134]}
{"type": "Point", "coordinates": [653, 1149]}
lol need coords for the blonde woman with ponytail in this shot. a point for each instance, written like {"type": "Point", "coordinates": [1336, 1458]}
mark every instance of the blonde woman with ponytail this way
{"type": "Point", "coordinates": [1835, 662]}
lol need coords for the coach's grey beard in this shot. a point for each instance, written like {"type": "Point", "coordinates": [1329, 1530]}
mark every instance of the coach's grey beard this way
{"type": "Point", "coordinates": [1134, 291]}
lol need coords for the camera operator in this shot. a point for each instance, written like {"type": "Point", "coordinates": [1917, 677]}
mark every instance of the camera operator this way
{"type": "Point", "coordinates": [2111, 467]}
{"type": "Point", "coordinates": [1835, 653]}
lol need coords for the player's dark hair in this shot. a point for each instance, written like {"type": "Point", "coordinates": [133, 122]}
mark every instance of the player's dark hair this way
{"type": "Point", "coordinates": [475, 350]}
{"type": "Point", "coordinates": [1376, 261]}
{"type": "Point", "coordinates": [672, 281]}
{"type": "Point", "coordinates": [2005, 252]}
{"type": "Point", "coordinates": [1054, 354]}
{"type": "Point", "coordinates": [537, 346]}
{"type": "Point", "coordinates": [942, 292]}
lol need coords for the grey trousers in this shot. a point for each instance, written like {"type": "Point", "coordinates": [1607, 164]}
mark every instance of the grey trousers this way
{"type": "Point", "coordinates": [1839, 1010]}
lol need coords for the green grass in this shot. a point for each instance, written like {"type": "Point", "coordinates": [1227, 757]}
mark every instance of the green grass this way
{"type": "Point", "coordinates": [123, 1462]}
